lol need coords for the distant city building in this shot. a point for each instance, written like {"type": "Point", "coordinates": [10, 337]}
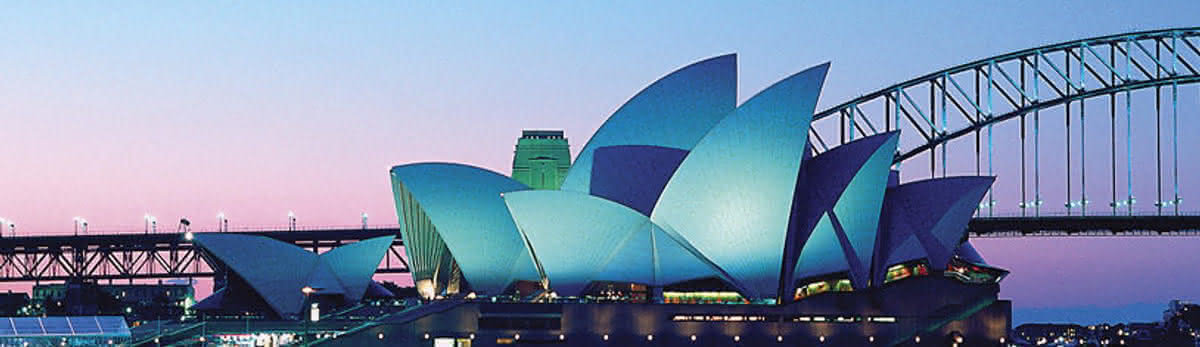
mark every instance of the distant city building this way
{"type": "Point", "coordinates": [1178, 328]}
{"type": "Point", "coordinates": [13, 304]}
{"type": "Point", "coordinates": [1048, 333]}
{"type": "Point", "coordinates": [1182, 319]}
{"type": "Point", "coordinates": [136, 302]}
{"type": "Point", "coordinates": [542, 159]}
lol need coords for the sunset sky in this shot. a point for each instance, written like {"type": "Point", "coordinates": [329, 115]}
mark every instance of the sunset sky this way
{"type": "Point", "coordinates": [182, 109]}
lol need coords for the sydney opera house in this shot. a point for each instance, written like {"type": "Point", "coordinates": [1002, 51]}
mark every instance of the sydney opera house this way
{"type": "Point", "coordinates": [688, 219]}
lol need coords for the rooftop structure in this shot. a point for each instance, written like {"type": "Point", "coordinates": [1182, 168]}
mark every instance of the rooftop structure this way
{"type": "Point", "coordinates": [541, 159]}
{"type": "Point", "coordinates": [64, 331]}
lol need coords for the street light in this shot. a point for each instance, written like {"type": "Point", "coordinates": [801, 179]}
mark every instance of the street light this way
{"type": "Point", "coordinates": [222, 222]}
{"type": "Point", "coordinates": [151, 223]}
{"type": "Point", "coordinates": [308, 290]}
{"type": "Point", "coordinates": [80, 223]}
{"type": "Point", "coordinates": [364, 220]}
{"type": "Point", "coordinates": [291, 221]}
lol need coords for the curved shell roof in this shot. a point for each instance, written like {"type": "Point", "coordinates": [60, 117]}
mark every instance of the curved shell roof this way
{"type": "Point", "coordinates": [731, 197]}
{"type": "Point", "coordinates": [483, 239]}
{"type": "Point", "coordinates": [845, 184]}
{"type": "Point", "coordinates": [675, 111]}
{"type": "Point", "coordinates": [936, 212]}
{"type": "Point", "coordinates": [580, 238]}
{"type": "Point", "coordinates": [346, 270]}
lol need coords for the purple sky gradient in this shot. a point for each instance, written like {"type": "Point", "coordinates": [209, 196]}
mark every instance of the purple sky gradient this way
{"type": "Point", "coordinates": [189, 108]}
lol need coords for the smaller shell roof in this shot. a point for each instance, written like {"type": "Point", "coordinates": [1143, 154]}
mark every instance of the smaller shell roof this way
{"type": "Point", "coordinates": [277, 270]}
{"type": "Point", "coordinates": [732, 195]}
{"type": "Point", "coordinates": [465, 206]}
{"type": "Point", "coordinates": [580, 238]}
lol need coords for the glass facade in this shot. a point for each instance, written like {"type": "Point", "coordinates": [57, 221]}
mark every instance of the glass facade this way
{"type": "Point", "coordinates": [823, 286]}
{"type": "Point", "coordinates": [63, 331]}
{"type": "Point", "coordinates": [703, 298]}
{"type": "Point", "coordinates": [973, 273]}
{"type": "Point", "coordinates": [901, 271]}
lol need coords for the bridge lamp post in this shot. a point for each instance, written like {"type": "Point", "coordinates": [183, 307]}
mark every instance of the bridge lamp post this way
{"type": "Point", "coordinates": [364, 220]}
{"type": "Point", "coordinates": [222, 222]}
{"type": "Point", "coordinates": [291, 221]}
{"type": "Point", "coordinates": [80, 223]}
{"type": "Point", "coordinates": [151, 223]}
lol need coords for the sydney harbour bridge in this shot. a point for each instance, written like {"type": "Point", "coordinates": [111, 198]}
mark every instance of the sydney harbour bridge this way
{"type": "Point", "coordinates": [1086, 138]}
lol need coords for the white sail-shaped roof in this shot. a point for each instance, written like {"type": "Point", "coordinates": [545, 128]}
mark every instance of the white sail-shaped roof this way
{"type": "Point", "coordinates": [675, 112]}
{"type": "Point", "coordinates": [580, 238]}
{"type": "Point", "coordinates": [277, 270]}
{"type": "Point", "coordinates": [732, 195]}
{"type": "Point", "coordinates": [845, 184]}
{"type": "Point", "coordinates": [257, 259]}
{"type": "Point", "coordinates": [464, 205]}
{"type": "Point", "coordinates": [936, 212]}
{"type": "Point", "coordinates": [354, 264]}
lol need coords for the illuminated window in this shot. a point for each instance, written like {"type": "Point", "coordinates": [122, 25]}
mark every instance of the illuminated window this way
{"type": "Point", "coordinates": [901, 271]}
{"type": "Point", "coordinates": [823, 286]}
{"type": "Point", "coordinates": [703, 298]}
{"type": "Point", "coordinates": [972, 273]}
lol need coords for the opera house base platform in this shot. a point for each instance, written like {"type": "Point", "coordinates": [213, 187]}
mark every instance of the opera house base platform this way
{"type": "Point", "coordinates": [919, 311]}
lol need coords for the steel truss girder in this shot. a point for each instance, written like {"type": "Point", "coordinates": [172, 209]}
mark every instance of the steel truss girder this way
{"type": "Point", "coordinates": [1028, 109]}
{"type": "Point", "coordinates": [1022, 85]}
{"type": "Point", "coordinates": [960, 96]}
{"type": "Point", "coordinates": [150, 256]}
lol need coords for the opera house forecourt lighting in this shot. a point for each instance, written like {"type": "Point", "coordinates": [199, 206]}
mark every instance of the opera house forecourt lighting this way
{"type": "Point", "coordinates": [690, 219]}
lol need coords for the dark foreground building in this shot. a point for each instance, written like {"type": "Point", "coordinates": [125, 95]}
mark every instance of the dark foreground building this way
{"type": "Point", "coordinates": [913, 312]}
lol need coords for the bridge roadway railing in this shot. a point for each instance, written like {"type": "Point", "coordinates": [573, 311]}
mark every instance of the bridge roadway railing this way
{"type": "Point", "coordinates": [1084, 226]}
{"type": "Point", "coordinates": [143, 255]}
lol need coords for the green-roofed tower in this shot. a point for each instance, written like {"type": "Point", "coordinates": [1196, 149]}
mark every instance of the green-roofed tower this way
{"type": "Point", "coordinates": [541, 159]}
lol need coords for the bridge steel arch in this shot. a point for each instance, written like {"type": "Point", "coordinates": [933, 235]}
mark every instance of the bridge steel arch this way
{"type": "Point", "coordinates": [971, 98]}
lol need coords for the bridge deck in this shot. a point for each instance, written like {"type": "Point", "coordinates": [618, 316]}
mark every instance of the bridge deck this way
{"type": "Point", "coordinates": [127, 256]}
{"type": "Point", "coordinates": [1083, 226]}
